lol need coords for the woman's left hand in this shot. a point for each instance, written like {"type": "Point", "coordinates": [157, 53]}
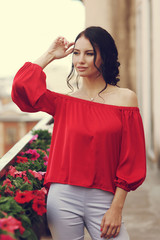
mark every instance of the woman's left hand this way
{"type": "Point", "coordinates": [111, 223]}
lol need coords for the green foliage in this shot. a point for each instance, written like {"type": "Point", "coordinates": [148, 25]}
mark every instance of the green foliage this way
{"type": "Point", "coordinates": [26, 175]}
{"type": "Point", "coordinates": [37, 165]}
{"type": "Point", "coordinates": [10, 206]}
{"type": "Point", "coordinates": [29, 235]}
{"type": "Point", "coordinates": [43, 141]}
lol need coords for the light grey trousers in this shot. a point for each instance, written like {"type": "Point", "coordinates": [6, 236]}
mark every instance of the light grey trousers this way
{"type": "Point", "coordinates": [71, 208]}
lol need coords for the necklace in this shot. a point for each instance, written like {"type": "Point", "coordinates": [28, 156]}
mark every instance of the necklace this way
{"type": "Point", "coordinates": [93, 98]}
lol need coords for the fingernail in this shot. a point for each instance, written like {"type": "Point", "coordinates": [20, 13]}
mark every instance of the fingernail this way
{"type": "Point", "coordinates": [101, 229]}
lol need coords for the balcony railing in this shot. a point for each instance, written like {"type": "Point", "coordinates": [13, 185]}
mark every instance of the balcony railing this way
{"type": "Point", "coordinates": [8, 158]}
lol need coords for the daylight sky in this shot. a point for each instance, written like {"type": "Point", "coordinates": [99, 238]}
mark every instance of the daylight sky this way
{"type": "Point", "coordinates": [28, 27]}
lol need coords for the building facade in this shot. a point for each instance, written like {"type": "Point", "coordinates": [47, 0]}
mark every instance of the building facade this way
{"type": "Point", "coordinates": [148, 84]}
{"type": "Point", "coordinates": [13, 127]}
{"type": "Point", "coordinates": [134, 24]}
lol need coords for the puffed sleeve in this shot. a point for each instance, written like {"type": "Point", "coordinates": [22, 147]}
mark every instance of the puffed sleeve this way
{"type": "Point", "coordinates": [29, 90]}
{"type": "Point", "coordinates": [131, 170]}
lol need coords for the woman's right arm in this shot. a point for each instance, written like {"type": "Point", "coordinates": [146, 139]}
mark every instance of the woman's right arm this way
{"type": "Point", "coordinates": [29, 86]}
{"type": "Point", "coordinates": [60, 48]}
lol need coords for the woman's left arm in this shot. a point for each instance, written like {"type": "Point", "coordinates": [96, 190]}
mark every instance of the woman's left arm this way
{"type": "Point", "coordinates": [127, 178]}
{"type": "Point", "coordinates": [111, 221]}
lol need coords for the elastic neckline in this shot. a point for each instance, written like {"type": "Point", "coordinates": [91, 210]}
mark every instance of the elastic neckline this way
{"type": "Point", "coordinates": [91, 102]}
{"type": "Point", "coordinates": [96, 103]}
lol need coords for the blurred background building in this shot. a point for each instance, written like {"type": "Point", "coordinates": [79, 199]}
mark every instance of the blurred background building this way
{"type": "Point", "coordinates": [26, 32]}
{"type": "Point", "coordinates": [134, 24]}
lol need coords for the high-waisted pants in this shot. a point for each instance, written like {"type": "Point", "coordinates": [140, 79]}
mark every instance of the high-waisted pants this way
{"type": "Point", "coordinates": [71, 208]}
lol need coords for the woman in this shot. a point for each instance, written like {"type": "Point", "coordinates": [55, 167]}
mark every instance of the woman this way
{"type": "Point", "coordinates": [98, 150]}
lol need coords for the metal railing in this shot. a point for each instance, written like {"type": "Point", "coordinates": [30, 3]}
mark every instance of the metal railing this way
{"type": "Point", "coordinates": [8, 158]}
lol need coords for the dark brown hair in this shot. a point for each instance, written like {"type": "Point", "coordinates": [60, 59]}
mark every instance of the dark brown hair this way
{"type": "Point", "coordinates": [109, 68]}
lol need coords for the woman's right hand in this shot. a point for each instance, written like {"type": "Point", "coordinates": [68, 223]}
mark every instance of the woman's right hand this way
{"type": "Point", "coordinates": [60, 48]}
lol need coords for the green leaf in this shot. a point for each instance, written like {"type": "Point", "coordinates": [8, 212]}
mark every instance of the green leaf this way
{"type": "Point", "coordinates": [3, 200]}
{"type": "Point", "coordinates": [10, 206]}
{"type": "Point", "coordinates": [25, 220]}
{"type": "Point", "coordinates": [1, 214]}
{"type": "Point", "coordinates": [29, 234]}
{"type": "Point", "coordinates": [25, 235]}
{"type": "Point", "coordinates": [26, 186]}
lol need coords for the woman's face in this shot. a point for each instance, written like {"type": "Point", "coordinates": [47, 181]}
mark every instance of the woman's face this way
{"type": "Point", "coordinates": [83, 58]}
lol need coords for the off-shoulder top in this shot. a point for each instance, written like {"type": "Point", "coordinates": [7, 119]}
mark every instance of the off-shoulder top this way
{"type": "Point", "coordinates": [93, 145]}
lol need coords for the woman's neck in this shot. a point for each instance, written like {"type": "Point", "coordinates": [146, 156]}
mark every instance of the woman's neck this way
{"type": "Point", "coordinates": [92, 86]}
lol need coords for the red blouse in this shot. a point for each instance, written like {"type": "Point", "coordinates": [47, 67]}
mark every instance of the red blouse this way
{"type": "Point", "coordinates": [94, 145]}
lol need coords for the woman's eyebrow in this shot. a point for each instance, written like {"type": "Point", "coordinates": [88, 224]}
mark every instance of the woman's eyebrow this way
{"type": "Point", "coordinates": [89, 50]}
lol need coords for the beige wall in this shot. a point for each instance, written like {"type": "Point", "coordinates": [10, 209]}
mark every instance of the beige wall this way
{"type": "Point", "coordinates": [118, 18]}
{"type": "Point", "coordinates": [135, 26]}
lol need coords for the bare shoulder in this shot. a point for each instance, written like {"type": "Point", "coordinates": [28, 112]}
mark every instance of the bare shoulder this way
{"type": "Point", "coordinates": [75, 94]}
{"type": "Point", "coordinates": [128, 97]}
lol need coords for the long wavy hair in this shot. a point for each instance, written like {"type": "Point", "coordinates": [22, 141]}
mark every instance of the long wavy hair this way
{"type": "Point", "coordinates": [109, 68]}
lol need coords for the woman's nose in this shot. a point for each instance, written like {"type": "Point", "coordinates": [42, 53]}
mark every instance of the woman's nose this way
{"type": "Point", "coordinates": [81, 58]}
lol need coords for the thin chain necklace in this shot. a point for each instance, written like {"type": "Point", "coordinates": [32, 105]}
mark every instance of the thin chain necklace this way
{"type": "Point", "coordinates": [92, 99]}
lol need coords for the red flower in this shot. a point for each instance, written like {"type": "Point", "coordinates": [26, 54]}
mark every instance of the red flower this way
{"type": "Point", "coordinates": [26, 179]}
{"type": "Point", "coordinates": [23, 197]}
{"type": "Point", "coordinates": [35, 174]}
{"type": "Point", "coordinates": [44, 190]}
{"type": "Point", "coordinates": [20, 174]}
{"type": "Point", "coordinates": [45, 158]}
{"type": "Point", "coordinates": [7, 182]}
{"type": "Point", "coordinates": [42, 173]}
{"type": "Point", "coordinates": [10, 224]}
{"type": "Point", "coordinates": [6, 237]}
{"type": "Point", "coordinates": [33, 138]}
{"type": "Point", "coordinates": [12, 171]}
{"type": "Point", "coordinates": [39, 206]}
{"type": "Point", "coordinates": [34, 154]}
{"type": "Point", "coordinates": [8, 185]}
{"type": "Point", "coordinates": [40, 194]}
{"type": "Point", "coordinates": [21, 153]}
{"type": "Point", "coordinates": [9, 192]}
{"type": "Point", "coordinates": [22, 159]}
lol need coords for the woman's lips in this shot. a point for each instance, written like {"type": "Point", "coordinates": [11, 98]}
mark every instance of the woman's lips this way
{"type": "Point", "coordinates": [81, 69]}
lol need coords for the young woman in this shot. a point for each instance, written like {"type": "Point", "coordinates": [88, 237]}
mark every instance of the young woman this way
{"type": "Point", "coordinates": [98, 149]}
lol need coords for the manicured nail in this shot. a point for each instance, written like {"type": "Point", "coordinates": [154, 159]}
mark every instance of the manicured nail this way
{"type": "Point", "coordinates": [101, 229]}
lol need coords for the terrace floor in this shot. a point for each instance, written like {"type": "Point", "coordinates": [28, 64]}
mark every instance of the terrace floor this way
{"type": "Point", "coordinates": [142, 209]}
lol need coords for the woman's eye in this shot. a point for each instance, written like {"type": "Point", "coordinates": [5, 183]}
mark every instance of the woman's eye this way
{"type": "Point", "coordinates": [90, 54]}
{"type": "Point", "coordinates": [75, 53]}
